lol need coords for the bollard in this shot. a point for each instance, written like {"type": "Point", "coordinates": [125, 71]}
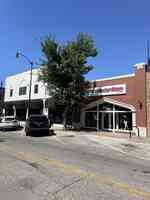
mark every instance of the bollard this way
{"type": "Point", "coordinates": [138, 132]}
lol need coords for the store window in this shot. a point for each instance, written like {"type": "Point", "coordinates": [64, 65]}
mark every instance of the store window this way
{"type": "Point", "coordinates": [109, 117]}
{"type": "Point", "coordinates": [119, 108]}
{"type": "Point", "coordinates": [123, 121]}
{"type": "Point", "coordinates": [36, 89]}
{"type": "Point", "coordinates": [11, 92]}
{"type": "Point", "coordinates": [106, 107]}
{"type": "Point", "coordinates": [91, 119]}
{"type": "Point", "coordinates": [22, 91]}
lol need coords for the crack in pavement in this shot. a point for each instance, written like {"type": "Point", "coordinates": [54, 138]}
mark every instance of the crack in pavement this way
{"type": "Point", "coordinates": [54, 194]}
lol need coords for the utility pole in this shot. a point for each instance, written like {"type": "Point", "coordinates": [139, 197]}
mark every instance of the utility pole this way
{"type": "Point", "coordinates": [18, 54]}
{"type": "Point", "coordinates": [148, 58]}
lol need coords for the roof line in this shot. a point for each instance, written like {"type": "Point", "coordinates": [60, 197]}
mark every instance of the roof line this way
{"type": "Point", "coordinates": [27, 71]}
{"type": "Point", "coordinates": [115, 77]}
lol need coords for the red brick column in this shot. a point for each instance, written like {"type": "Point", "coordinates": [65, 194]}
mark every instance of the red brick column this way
{"type": "Point", "coordinates": [148, 101]}
{"type": "Point", "coordinates": [140, 98]}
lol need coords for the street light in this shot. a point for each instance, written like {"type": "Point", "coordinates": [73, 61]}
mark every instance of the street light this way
{"type": "Point", "coordinates": [18, 54]}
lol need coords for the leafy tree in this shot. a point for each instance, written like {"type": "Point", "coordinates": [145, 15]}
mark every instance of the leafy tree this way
{"type": "Point", "coordinates": [63, 70]}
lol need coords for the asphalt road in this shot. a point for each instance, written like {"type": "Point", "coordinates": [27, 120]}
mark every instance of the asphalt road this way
{"type": "Point", "coordinates": [68, 168]}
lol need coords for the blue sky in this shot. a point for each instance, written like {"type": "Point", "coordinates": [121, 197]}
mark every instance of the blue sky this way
{"type": "Point", "coordinates": [120, 29]}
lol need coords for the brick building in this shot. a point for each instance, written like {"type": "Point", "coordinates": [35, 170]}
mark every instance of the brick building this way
{"type": "Point", "coordinates": [120, 103]}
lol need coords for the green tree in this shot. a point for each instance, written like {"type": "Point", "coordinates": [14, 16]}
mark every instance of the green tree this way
{"type": "Point", "coordinates": [63, 70]}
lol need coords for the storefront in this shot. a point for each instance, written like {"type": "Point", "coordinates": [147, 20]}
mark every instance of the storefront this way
{"type": "Point", "coordinates": [108, 116]}
{"type": "Point", "coordinates": [119, 104]}
{"type": "Point", "coordinates": [19, 109]}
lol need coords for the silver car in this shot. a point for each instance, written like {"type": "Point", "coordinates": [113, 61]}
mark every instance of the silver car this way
{"type": "Point", "coordinates": [9, 122]}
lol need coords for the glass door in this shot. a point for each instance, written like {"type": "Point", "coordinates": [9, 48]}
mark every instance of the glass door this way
{"type": "Point", "coordinates": [107, 120]}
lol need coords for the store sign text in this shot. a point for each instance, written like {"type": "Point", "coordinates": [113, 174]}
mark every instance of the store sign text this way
{"type": "Point", "coordinates": [107, 90]}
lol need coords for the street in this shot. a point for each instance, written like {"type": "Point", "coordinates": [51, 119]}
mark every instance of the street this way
{"type": "Point", "coordinates": [69, 168]}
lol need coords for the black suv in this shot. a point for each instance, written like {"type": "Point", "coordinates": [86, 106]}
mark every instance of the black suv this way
{"type": "Point", "coordinates": [37, 124]}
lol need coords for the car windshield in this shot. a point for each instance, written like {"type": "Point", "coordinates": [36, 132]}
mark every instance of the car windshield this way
{"type": "Point", "coordinates": [38, 118]}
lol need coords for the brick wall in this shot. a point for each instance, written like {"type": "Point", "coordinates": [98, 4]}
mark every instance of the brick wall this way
{"type": "Point", "coordinates": [139, 100]}
{"type": "Point", "coordinates": [135, 94]}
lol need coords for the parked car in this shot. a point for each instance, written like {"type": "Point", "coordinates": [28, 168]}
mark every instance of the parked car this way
{"type": "Point", "coordinates": [37, 124]}
{"type": "Point", "coordinates": [9, 122]}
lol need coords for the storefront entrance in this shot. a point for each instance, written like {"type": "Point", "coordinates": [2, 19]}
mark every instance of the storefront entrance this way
{"type": "Point", "coordinates": [107, 121]}
{"type": "Point", "coordinates": [19, 109]}
{"type": "Point", "coordinates": [109, 117]}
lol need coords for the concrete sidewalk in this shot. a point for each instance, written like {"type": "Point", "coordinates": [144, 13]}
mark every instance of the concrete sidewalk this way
{"type": "Point", "coordinates": [135, 147]}
{"type": "Point", "coordinates": [60, 131]}
{"type": "Point", "coordinates": [139, 150]}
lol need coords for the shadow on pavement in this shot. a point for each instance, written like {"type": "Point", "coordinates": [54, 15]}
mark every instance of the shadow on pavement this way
{"type": "Point", "coordinates": [11, 129]}
{"type": "Point", "coordinates": [43, 134]}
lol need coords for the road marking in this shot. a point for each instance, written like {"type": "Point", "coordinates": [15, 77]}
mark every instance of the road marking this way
{"type": "Point", "coordinates": [101, 179]}
{"type": "Point", "coordinates": [68, 169]}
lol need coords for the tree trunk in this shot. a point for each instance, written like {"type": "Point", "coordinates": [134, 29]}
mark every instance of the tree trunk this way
{"type": "Point", "coordinates": [76, 118]}
{"type": "Point", "coordinates": [65, 117]}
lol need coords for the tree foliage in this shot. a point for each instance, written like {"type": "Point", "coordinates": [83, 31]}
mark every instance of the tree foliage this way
{"type": "Point", "coordinates": [64, 67]}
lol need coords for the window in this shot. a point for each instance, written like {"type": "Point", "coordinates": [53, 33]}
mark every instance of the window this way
{"type": "Point", "coordinates": [11, 92]}
{"type": "Point", "coordinates": [91, 119]}
{"type": "Point", "coordinates": [35, 89]}
{"type": "Point", "coordinates": [22, 91]}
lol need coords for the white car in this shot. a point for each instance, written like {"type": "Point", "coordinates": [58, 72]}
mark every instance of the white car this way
{"type": "Point", "coordinates": [9, 122]}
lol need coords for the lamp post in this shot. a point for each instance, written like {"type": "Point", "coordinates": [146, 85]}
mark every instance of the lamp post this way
{"type": "Point", "coordinates": [18, 54]}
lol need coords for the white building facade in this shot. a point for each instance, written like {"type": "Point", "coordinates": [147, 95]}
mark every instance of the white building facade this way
{"type": "Point", "coordinates": [17, 95]}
